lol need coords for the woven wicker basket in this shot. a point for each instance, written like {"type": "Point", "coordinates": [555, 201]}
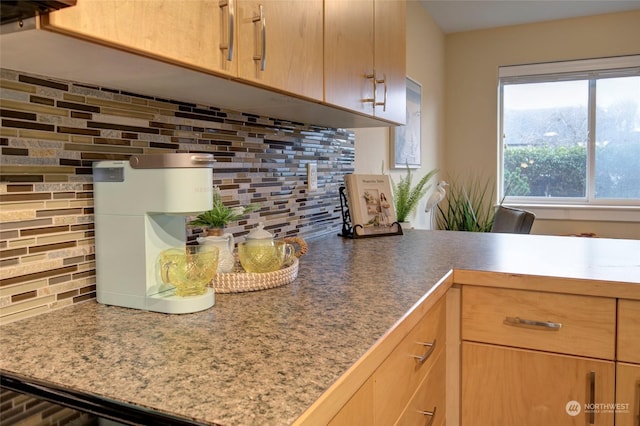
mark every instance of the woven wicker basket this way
{"type": "Point", "coordinates": [238, 282]}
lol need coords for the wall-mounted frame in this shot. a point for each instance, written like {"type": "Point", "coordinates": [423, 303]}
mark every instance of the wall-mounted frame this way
{"type": "Point", "coordinates": [405, 147]}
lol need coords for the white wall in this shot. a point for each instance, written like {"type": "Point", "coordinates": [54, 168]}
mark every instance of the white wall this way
{"type": "Point", "coordinates": [425, 64]}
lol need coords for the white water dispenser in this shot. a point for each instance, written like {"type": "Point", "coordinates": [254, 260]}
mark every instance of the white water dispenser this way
{"type": "Point", "coordinates": [140, 210]}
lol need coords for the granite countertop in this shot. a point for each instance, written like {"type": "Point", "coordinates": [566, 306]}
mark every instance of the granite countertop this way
{"type": "Point", "coordinates": [264, 357]}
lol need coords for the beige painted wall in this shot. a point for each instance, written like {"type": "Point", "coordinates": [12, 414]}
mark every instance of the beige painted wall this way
{"type": "Point", "coordinates": [472, 60]}
{"type": "Point", "coordinates": [425, 64]}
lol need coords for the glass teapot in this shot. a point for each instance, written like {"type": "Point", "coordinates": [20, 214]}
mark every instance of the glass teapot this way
{"type": "Point", "coordinates": [261, 253]}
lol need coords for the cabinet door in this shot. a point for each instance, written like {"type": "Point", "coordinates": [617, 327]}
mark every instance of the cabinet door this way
{"type": "Point", "coordinates": [281, 45]}
{"type": "Point", "coordinates": [505, 386]}
{"type": "Point", "coordinates": [190, 33]}
{"type": "Point", "coordinates": [629, 330]}
{"type": "Point", "coordinates": [390, 59]}
{"type": "Point", "coordinates": [348, 55]}
{"type": "Point", "coordinates": [359, 409]}
{"type": "Point", "coordinates": [627, 394]}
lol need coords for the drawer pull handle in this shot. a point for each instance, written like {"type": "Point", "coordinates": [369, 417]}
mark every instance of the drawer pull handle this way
{"type": "Point", "coordinates": [423, 358]}
{"type": "Point", "coordinates": [431, 414]}
{"type": "Point", "coordinates": [544, 325]}
{"type": "Point", "coordinates": [592, 397]}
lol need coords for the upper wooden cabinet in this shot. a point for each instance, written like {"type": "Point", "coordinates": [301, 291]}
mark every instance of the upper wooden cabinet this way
{"type": "Point", "coordinates": [198, 34]}
{"type": "Point", "coordinates": [260, 58]}
{"type": "Point", "coordinates": [390, 58]}
{"type": "Point", "coordinates": [365, 58]}
{"type": "Point", "coordinates": [280, 45]}
{"type": "Point", "coordinates": [276, 44]}
{"type": "Point", "coordinates": [348, 38]}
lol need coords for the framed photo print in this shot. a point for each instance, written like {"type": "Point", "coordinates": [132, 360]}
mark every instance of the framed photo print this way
{"type": "Point", "coordinates": [405, 140]}
{"type": "Point", "coordinates": [371, 204]}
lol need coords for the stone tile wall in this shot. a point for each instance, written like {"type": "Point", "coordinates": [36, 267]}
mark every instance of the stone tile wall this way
{"type": "Point", "coordinates": [52, 132]}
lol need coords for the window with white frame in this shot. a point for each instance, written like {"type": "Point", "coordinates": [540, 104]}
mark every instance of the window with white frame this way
{"type": "Point", "coordinates": [570, 132]}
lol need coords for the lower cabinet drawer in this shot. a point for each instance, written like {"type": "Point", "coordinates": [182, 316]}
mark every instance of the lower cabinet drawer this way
{"type": "Point", "coordinates": [562, 323]}
{"type": "Point", "coordinates": [399, 376]}
{"type": "Point", "coordinates": [427, 406]}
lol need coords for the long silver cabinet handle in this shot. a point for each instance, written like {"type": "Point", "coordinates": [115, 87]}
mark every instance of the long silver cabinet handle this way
{"type": "Point", "coordinates": [262, 57]}
{"type": "Point", "coordinates": [423, 358]}
{"type": "Point", "coordinates": [231, 19]}
{"type": "Point", "coordinates": [431, 414]}
{"type": "Point", "coordinates": [383, 104]}
{"type": "Point", "coordinates": [372, 77]}
{"type": "Point", "coordinates": [542, 325]}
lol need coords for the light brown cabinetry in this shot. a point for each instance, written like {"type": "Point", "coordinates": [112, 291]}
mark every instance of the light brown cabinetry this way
{"type": "Point", "coordinates": [528, 355]}
{"type": "Point", "coordinates": [195, 34]}
{"type": "Point", "coordinates": [428, 403]}
{"type": "Point", "coordinates": [628, 367]}
{"type": "Point", "coordinates": [511, 386]}
{"type": "Point", "coordinates": [390, 59]}
{"type": "Point", "coordinates": [359, 409]}
{"type": "Point", "coordinates": [563, 323]}
{"type": "Point", "coordinates": [629, 330]}
{"type": "Point", "coordinates": [275, 44]}
{"type": "Point", "coordinates": [211, 52]}
{"type": "Point", "coordinates": [409, 386]}
{"type": "Point", "coordinates": [365, 58]}
{"type": "Point", "coordinates": [627, 394]}
{"type": "Point", "coordinates": [400, 375]}
{"type": "Point", "coordinates": [280, 45]}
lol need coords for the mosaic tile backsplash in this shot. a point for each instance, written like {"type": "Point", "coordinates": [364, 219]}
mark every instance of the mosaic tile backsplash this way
{"type": "Point", "coordinates": [52, 132]}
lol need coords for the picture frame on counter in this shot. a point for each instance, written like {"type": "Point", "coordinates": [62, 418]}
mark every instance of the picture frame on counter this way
{"type": "Point", "coordinates": [406, 141]}
{"type": "Point", "coordinates": [371, 205]}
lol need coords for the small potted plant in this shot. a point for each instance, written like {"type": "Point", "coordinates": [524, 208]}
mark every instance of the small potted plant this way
{"type": "Point", "coordinates": [406, 197]}
{"type": "Point", "coordinates": [220, 215]}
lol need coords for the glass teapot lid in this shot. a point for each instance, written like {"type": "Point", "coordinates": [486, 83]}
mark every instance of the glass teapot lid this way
{"type": "Point", "coordinates": [259, 234]}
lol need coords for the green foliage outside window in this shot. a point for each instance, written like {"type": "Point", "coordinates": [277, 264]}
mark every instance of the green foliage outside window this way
{"type": "Point", "coordinates": [544, 171]}
{"type": "Point", "coordinates": [560, 171]}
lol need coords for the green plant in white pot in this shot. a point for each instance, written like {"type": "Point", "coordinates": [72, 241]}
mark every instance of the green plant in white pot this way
{"type": "Point", "coordinates": [406, 196]}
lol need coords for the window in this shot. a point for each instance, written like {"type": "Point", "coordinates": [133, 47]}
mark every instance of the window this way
{"type": "Point", "coordinates": [571, 132]}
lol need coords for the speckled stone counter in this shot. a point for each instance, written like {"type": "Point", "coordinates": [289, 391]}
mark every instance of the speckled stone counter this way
{"type": "Point", "coordinates": [264, 357]}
